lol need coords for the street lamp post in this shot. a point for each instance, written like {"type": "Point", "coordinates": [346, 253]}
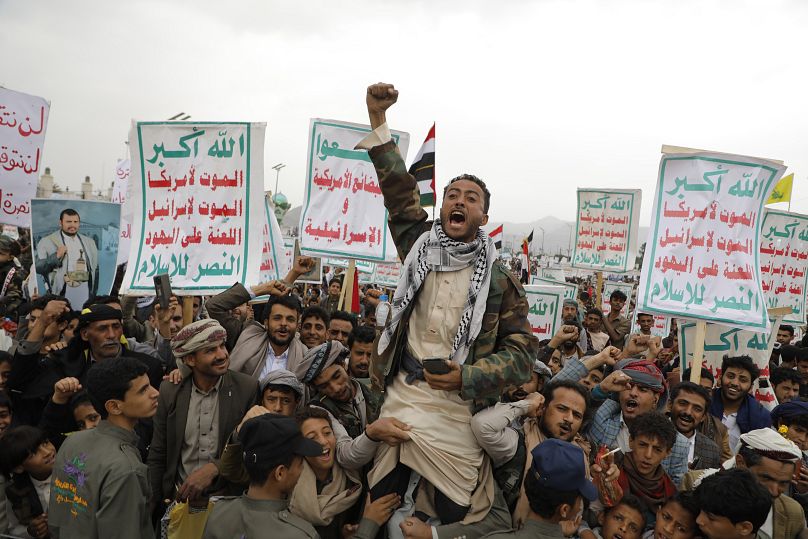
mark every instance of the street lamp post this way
{"type": "Point", "coordinates": [542, 241]}
{"type": "Point", "coordinates": [277, 168]}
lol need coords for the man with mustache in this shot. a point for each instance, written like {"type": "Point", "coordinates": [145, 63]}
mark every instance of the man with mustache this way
{"type": "Point", "coordinates": [455, 303]}
{"type": "Point", "coordinates": [733, 405]}
{"type": "Point", "coordinates": [195, 417]}
{"type": "Point", "coordinates": [260, 347]}
{"type": "Point", "coordinates": [360, 345]}
{"type": "Point", "coordinates": [68, 260]}
{"type": "Point", "coordinates": [99, 337]}
{"type": "Point", "coordinates": [636, 386]}
{"type": "Point", "coordinates": [689, 405]}
{"type": "Point", "coordinates": [511, 430]}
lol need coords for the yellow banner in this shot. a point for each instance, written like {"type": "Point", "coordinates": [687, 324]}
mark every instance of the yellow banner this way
{"type": "Point", "coordinates": [782, 191]}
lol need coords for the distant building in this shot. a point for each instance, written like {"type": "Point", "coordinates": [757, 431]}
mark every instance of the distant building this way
{"type": "Point", "coordinates": [48, 188]}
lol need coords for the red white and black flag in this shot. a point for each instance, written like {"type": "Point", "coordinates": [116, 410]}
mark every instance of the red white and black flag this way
{"type": "Point", "coordinates": [496, 235]}
{"type": "Point", "coordinates": [423, 169]}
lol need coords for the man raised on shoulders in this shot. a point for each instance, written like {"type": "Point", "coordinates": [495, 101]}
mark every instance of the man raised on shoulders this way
{"type": "Point", "coordinates": [456, 304]}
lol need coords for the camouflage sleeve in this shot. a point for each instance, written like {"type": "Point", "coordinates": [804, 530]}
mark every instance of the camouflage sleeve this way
{"type": "Point", "coordinates": [516, 347]}
{"type": "Point", "coordinates": [13, 298]}
{"type": "Point", "coordinates": [407, 219]}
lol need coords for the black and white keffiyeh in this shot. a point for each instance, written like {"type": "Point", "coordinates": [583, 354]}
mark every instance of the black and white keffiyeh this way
{"type": "Point", "coordinates": [435, 251]}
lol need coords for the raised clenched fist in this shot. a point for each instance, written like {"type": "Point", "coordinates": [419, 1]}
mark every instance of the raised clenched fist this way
{"type": "Point", "coordinates": [380, 97]}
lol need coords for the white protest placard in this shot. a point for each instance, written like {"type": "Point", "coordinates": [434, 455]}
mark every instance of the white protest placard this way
{"type": "Point", "coordinates": [362, 266]}
{"type": "Point", "coordinates": [387, 274]}
{"type": "Point", "coordinates": [606, 229]}
{"type": "Point", "coordinates": [611, 286]}
{"type": "Point", "coordinates": [570, 289]}
{"type": "Point", "coordinates": [120, 189]}
{"type": "Point", "coordinates": [23, 122]}
{"type": "Point", "coordinates": [544, 309]}
{"type": "Point", "coordinates": [721, 340]}
{"type": "Point", "coordinates": [274, 264]}
{"type": "Point", "coordinates": [197, 187]}
{"type": "Point", "coordinates": [343, 213]}
{"type": "Point", "coordinates": [784, 262]}
{"type": "Point", "coordinates": [702, 254]}
{"type": "Point", "coordinates": [554, 274]}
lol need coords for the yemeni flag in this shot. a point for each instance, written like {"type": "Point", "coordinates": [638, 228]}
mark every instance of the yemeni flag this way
{"type": "Point", "coordinates": [526, 244]}
{"type": "Point", "coordinates": [525, 277]}
{"type": "Point", "coordinates": [496, 235]}
{"type": "Point", "coordinates": [423, 169]}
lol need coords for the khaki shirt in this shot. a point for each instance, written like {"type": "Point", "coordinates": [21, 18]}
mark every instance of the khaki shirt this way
{"type": "Point", "coordinates": [200, 445]}
{"type": "Point", "coordinates": [437, 311]}
{"type": "Point", "coordinates": [233, 518]}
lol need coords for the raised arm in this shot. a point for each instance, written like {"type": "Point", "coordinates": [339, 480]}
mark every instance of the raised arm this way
{"type": "Point", "coordinates": [407, 218]}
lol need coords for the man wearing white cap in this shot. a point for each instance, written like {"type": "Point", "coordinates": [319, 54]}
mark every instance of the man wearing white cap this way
{"type": "Point", "coordinates": [772, 459]}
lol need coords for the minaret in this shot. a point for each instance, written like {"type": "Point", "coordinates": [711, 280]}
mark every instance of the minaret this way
{"type": "Point", "coordinates": [87, 189]}
{"type": "Point", "coordinates": [45, 188]}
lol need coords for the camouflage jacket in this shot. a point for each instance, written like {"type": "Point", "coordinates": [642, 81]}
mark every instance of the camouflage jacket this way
{"type": "Point", "coordinates": [348, 415]}
{"type": "Point", "coordinates": [502, 355]}
{"type": "Point", "coordinates": [12, 297]}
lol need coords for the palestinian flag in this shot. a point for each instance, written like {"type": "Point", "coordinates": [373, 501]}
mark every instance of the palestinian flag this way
{"type": "Point", "coordinates": [423, 169]}
{"type": "Point", "coordinates": [496, 235]}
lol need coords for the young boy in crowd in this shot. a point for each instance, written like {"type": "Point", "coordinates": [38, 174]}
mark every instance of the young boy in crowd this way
{"type": "Point", "coordinates": [651, 439]}
{"type": "Point", "coordinates": [623, 521]}
{"type": "Point", "coordinates": [734, 505]}
{"type": "Point", "coordinates": [26, 462]}
{"type": "Point", "coordinates": [100, 485]}
{"type": "Point", "coordinates": [274, 449]}
{"type": "Point", "coordinates": [676, 519]}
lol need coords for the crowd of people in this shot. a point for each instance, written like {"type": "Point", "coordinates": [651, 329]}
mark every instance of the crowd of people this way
{"type": "Point", "coordinates": [290, 417]}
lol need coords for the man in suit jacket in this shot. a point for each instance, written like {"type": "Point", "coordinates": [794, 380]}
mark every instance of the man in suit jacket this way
{"type": "Point", "coordinates": [689, 405]}
{"type": "Point", "coordinates": [258, 349]}
{"type": "Point", "coordinates": [195, 417]}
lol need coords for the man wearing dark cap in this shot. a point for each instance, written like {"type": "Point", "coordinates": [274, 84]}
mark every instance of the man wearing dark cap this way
{"type": "Point", "coordinates": [273, 451]}
{"type": "Point", "coordinates": [195, 417]}
{"type": "Point", "coordinates": [556, 486]}
{"type": "Point", "coordinates": [350, 402]}
{"type": "Point", "coordinates": [10, 278]}
{"type": "Point", "coordinates": [99, 337]}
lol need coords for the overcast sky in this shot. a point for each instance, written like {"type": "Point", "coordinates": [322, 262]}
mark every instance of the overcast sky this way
{"type": "Point", "coordinates": [537, 98]}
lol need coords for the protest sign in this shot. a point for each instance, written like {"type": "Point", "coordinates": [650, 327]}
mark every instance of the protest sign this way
{"type": "Point", "coordinates": [721, 340]}
{"type": "Point", "coordinates": [23, 121]}
{"type": "Point", "coordinates": [343, 213]}
{"type": "Point", "coordinates": [274, 264]}
{"type": "Point", "coordinates": [570, 289]}
{"type": "Point", "coordinates": [120, 190]}
{"type": "Point", "coordinates": [362, 266]}
{"type": "Point", "coordinates": [611, 286]}
{"type": "Point", "coordinates": [75, 246]}
{"type": "Point", "coordinates": [606, 229]}
{"type": "Point", "coordinates": [554, 274]}
{"type": "Point", "coordinates": [702, 254]}
{"type": "Point", "coordinates": [544, 309]}
{"type": "Point", "coordinates": [784, 262]}
{"type": "Point", "coordinates": [387, 274]}
{"type": "Point", "coordinates": [196, 186]}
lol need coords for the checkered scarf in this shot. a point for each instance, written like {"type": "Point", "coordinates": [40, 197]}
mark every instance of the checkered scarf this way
{"type": "Point", "coordinates": [435, 251]}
